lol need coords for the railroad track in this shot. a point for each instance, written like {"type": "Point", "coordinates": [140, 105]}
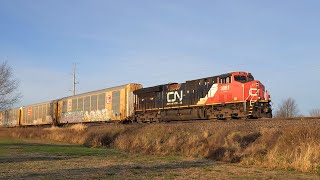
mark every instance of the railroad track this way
{"type": "Point", "coordinates": [285, 121]}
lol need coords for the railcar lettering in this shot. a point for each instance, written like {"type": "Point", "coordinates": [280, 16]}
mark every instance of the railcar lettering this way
{"type": "Point", "coordinates": [225, 88]}
{"type": "Point", "coordinates": [174, 98]}
{"type": "Point", "coordinates": [108, 99]}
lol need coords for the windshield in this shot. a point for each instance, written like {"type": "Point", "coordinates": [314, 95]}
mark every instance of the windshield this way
{"type": "Point", "coordinates": [250, 78]}
{"type": "Point", "coordinates": [242, 79]}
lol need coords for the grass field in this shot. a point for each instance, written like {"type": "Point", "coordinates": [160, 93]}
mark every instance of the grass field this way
{"type": "Point", "coordinates": [274, 144]}
{"type": "Point", "coordinates": [45, 159]}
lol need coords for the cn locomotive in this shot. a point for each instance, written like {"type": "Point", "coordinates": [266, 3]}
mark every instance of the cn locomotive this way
{"type": "Point", "coordinates": [235, 95]}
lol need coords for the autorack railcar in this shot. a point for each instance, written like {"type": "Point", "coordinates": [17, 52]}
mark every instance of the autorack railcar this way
{"type": "Point", "coordinates": [10, 117]}
{"type": "Point", "coordinates": [36, 114]}
{"type": "Point", "coordinates": [111, 104]}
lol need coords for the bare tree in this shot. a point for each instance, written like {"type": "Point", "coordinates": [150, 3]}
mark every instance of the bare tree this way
{"type": "Point", "coordinates": [8, 87]}
{"type": "Point", "coordinates": [287, 109]}
{"type": "Point", "coordinates": [315, 112]}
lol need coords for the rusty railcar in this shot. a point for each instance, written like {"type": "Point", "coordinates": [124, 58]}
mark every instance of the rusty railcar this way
{"type": "Point", "coordinates": [10, 118]}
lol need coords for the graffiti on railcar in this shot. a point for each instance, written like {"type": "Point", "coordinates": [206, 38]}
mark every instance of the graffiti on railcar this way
{"type": "Point", "coordinates": [14, 123]}
{"type": "Point", "coordinates": [9, 123]}
{"type": "Point", "coordinates": [99, 115]}
{"type": "Point", "coordinates": [72, 117]}
{"type": "Point", "coordinates": [48, 119]}
{"type": "Point", "coordinates": [87, 116]}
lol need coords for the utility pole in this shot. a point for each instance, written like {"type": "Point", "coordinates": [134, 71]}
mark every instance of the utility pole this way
{"type": "Point", "coordinates": [74, 79]}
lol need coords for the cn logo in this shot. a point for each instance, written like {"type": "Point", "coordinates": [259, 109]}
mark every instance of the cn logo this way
{"type": "Point", "coordinates": [174, 97]}
{"type": "Point", "coordinates": [253, 92]}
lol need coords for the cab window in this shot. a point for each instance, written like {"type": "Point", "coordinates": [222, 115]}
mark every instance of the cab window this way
{"type": "Point", "coordinates": [225, 80]}
{"type": "Point", "coordinates": [250, 78]}
{"type": "Point", "coordinates": [241, 79]}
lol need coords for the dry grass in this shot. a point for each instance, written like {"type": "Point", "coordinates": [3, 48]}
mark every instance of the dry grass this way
{"type": "Point", "coordinates": [29, 159]}
{"type": "Point", "coordinates": [292, 145]}
{"type": "Point", "coordinates": [78, 127]}
{"type": "Point", "coordinates": [290, 148]}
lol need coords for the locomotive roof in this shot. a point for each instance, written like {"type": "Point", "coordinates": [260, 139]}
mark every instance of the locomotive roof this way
{"type": "Point", "coordinates": [158, 88]}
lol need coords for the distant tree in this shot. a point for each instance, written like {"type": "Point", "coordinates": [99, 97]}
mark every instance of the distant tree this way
{"type": "Point", "coordinates": [287, 109]}
{"type": "Point", "coordinates": [315, 112]}
{"type": "Point", "coordinates": [8, 87]}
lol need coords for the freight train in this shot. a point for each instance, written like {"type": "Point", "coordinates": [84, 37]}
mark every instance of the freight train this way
{"type": "Point", "coordinates": [235, 95]}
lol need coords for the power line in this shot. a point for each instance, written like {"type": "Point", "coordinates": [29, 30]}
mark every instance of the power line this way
{"type": "Point", "coordinates": [74, 79]}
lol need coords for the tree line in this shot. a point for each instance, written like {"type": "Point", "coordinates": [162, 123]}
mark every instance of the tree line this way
{"type": "Point", "coordinates": [9, 85]}
{"type": "Point", "coordinates": [288, 108]}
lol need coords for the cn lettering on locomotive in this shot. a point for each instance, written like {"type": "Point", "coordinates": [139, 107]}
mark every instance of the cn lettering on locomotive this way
{"type": "Point", "coordinates": [174, 98]}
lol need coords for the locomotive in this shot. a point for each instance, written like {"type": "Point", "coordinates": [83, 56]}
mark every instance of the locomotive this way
{"type": "Point", "coordinates": [235, 95]}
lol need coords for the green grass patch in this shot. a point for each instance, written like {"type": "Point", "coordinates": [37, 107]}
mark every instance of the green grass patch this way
{"type": "Point", "coordinates": [68, 150]}
{"type": "Point", "coordinates": [18, 147]}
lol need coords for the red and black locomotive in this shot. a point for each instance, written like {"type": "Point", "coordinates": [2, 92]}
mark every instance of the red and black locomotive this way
{"type": "Point", "coordinates": [233, 95]}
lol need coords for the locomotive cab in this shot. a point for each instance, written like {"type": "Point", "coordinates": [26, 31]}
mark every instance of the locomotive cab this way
{"type": "Point", "coordinates": [253, 89]}
{"type": "Point", "coordinates": [255, 95]}
{"type": "Point", "coordinates": [242, 87]}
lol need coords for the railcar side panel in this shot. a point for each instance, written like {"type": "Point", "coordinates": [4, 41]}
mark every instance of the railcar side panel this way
{"type": "Point", "coordinates": [1, 119]}
{"type": "Point", "coordinates": [9, 118]}
{"type": "Point", "coordinates": [110, 104]}
{"type": "Point", "coordinates": [37, 114]}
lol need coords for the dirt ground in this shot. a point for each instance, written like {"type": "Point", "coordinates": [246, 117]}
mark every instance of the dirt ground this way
{"type": "Point", "coordinates": [29, 159]}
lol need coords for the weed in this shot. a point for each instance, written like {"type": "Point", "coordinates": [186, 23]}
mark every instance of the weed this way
{"type": "Point", "coordinates": [170, 176]}
{"type": "Point", "coordinates": [78, 127]}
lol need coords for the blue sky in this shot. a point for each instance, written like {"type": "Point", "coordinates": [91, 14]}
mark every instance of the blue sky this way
{"type": "Point", "coordinates": [155, 42]}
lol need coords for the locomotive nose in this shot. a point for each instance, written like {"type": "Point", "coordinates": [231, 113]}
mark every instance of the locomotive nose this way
{"type": "Point", "coordinates": [261, 90]}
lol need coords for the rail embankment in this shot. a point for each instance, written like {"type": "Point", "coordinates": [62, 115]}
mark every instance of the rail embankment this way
{"type": "Point", "coordinates": [287, 144]}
